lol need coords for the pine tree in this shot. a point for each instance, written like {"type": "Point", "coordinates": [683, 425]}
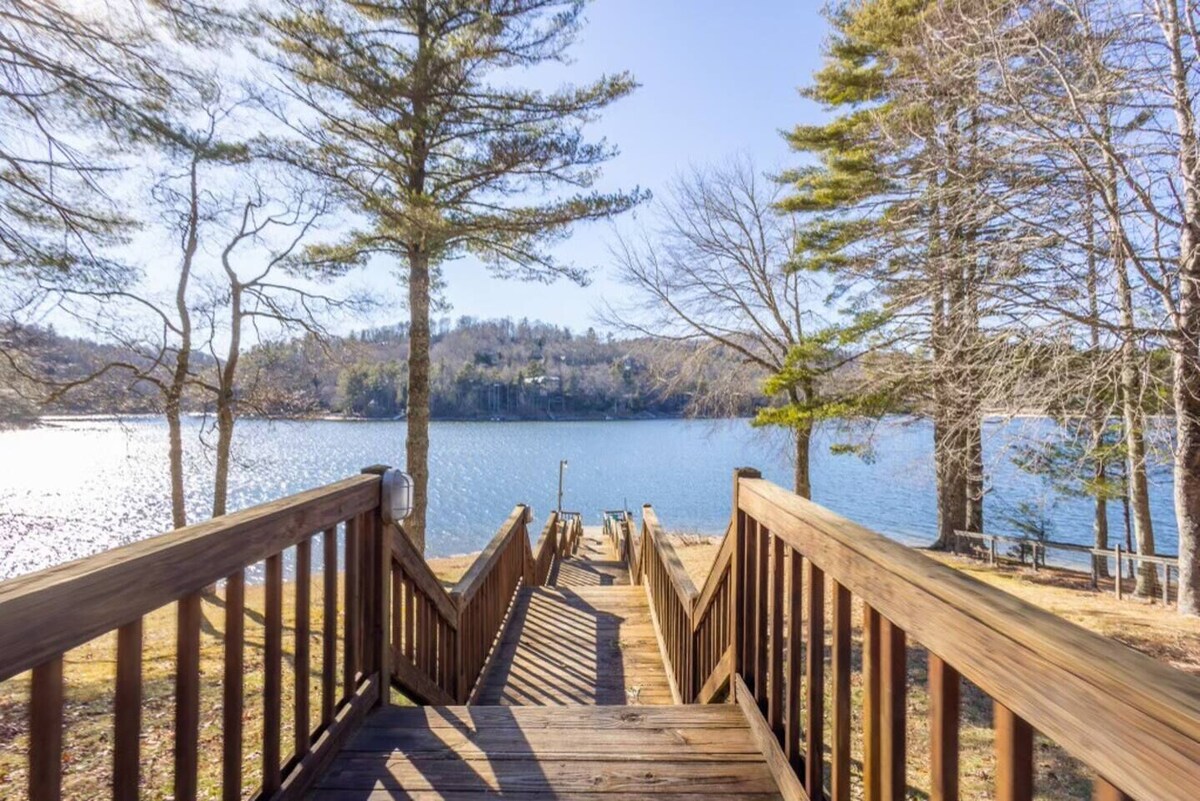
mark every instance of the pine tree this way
{"type": "Point", "coordinates": [410, 110]}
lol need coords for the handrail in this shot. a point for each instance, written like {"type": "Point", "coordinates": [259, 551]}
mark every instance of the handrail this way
{"type": "Point", "coordinates": [711, 627]}
{"type": "Point", "coordinates": [545, 550]}
{"type": "Point", "coordinates": [45, 614]}
{"type": "Point", "coordinates": [484, 595]}
{"type": "Point", "coordinates": [672, 598]}
{"type": "Point", "coordinates": [1132, 719]}
{"type": "Point", "coordinates": [425, 622]}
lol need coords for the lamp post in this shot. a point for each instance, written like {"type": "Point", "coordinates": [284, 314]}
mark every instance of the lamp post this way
{"type": "Point", "coordinates": [562, 466]}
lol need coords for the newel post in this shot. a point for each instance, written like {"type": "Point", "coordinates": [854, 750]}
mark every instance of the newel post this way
{"type": "Point", "coordinates": [377, 548]}
{"type": "Point", "coordinates": [737, 572]}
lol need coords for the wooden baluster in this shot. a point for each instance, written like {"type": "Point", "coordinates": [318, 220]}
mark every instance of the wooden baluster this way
{"type": "Point", "coordinates": [1014, 756]}
{"type": "Point", "coordinates": [814, 681]}
{"type": "Point", "coordinates": [187, 696]}
{"type": "Point", "coordinates": [795, 663]}
{"type": "Point", "coordinates": [272, 675]}
{"type": "Point", "coordinates": [872, 708]}
{"type": "Point", "coordinates": [233, 686]}
{"type": "Point", "coordinates": [761, 599]}
{"type": "Point", "coordinates": [303, 601]}
{"type": "Point", "coordinates": [350, 614]}
{"type": "Point", "coordinates": [775, 686]}
{"type": "Point", "coordinates": [750, 602]}
{"type": "Point", "coordinates": [893, 689]}
{"type": "Point", "coordinates": [840, 780]}
{"type": "Point", "coordinates": [46, 731]}
{"type": "Point", "coordinates": [127, 713]}
{"type": "Point", "coordinates": [1103, 791]}
{"type": "Point", "coordinates": [944, 692]}
{"type": "Point", "coordinates": [329, 627]}
{"type": "Point", "coordinates": [410, 622]}
{"type": "Point", "coordinates": [397, 644]}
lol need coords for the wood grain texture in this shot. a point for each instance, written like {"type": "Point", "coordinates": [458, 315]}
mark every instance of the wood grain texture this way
{"type": "Point", "coordinates": [1014, 756]}
{"type": "Point", "coordinates": [893, 729]}
{"type": "Point", "coordinates": [597, 752]}
{"type": "Point", "coordinates": [233, 697]}
{"type": "Point", "coordinates": [944, 702]}
{"type": "Point", "coordinates": [841, 667]}
{"type": "Point", "coordinates": [329, 625]}
{"type": "Point", "coordinates": [872, 705]}
{"type": "Point", "coordinates": [814, 683]}
{"type": "Point", "coordinates": [46, 731]}
{"type": "Point", "coordinates": [775, 677]}
{"type": "Point", "coordinates": [789, 784]}
{"type": "Point", "coordinates": [187, 696]}
{"type": "Point", "coordinates": [49, 612]}
{"type": "Point", "coordinates": [127, 713]}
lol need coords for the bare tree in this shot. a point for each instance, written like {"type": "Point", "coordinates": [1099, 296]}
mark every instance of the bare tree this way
{"type": "Point", "coordinates": [716, 270]}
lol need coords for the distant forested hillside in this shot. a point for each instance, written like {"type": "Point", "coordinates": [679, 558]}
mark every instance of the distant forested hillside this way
{"type": "Point", "coordinates": [482, 369]}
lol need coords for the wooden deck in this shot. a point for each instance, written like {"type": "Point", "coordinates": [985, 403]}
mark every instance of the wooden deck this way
{"type": "Point", "coordinates": [587, 638]}
{"type": "Point", "coordinates": [544, 671]}
{"type": "Point", "coordinates": [575, 704]}
{"type": "Point", "coordinates": [668, 753]}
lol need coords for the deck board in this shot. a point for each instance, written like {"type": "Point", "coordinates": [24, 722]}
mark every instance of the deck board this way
{"type": "Point", "coordinates": [585, 753]}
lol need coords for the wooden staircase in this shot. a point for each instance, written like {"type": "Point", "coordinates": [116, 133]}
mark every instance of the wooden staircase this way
{"type": "Point", "coordinates": [586, 666]}
{"type": "Point", "coordinates": [575, 702]}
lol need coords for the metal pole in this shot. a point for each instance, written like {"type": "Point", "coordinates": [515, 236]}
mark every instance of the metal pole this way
{"type": "Point", "coordinates": [562, 463]}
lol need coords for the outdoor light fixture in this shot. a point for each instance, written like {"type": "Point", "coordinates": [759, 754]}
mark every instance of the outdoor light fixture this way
{"type": "Point", "coordinates": [397, 495]}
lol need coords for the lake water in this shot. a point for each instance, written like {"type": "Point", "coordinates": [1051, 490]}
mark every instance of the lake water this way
{"type": "Point", "coordinates": [73, 487]}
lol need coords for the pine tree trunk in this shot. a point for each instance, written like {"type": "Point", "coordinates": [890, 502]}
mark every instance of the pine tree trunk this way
{"type": "Point", "coordinates": [951, 485]}
{"type": "Point", "coordinates": [974, 477]}
{"type": "Point", "coordinates": [417, 438]}
{"type": "Point", "coordinates": [803, 441]}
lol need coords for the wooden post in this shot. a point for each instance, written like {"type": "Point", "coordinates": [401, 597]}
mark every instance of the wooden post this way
{"type": "Point", "coordinates": [737, 609]}
{"type": "Point", "coordinates": [377, 542]}
{"type": "Point", "coordinates": [1117, 581]}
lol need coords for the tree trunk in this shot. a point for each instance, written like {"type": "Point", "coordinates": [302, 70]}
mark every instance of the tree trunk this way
{"type": "Point", "coordinates": [1187, 466]}
{"type": "Point", "coordinates": [225, 398]}
{"type": "Point", "coordinates": [1135, 446]}
{"type": "Point", "coordinates": [225, 422]}
{"type": "Point", "coordinates": [417, 438]}
{"type": "Point", "coordinates": [803, 441]}
{"type": "Point", "coordinates": [175, 455]}
{"type": "Point", "coordinates": [183, 356]}
{"type": "Point", "coordinates": [1100, 522]}
{"type": "Point", "coordinates": [974, 476]}
{"type": "Point", "coordinates": [951, 486]}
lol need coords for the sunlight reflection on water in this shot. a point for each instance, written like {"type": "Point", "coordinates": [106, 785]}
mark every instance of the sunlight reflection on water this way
{"type": "Point", "coordinates": [73, 487]}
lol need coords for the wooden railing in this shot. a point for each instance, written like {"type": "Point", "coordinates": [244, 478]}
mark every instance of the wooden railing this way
{"type": "Point", "coordinates": [46, 614]}
{"type": "Point", "coordinates": [485, 593]}
{"type": "Point", "coordinates": [1037, 549]}
{"type": "Point", "coordinates": [672, 596]}
{"type": "Point", "coordinates": [624, 535]}
{"type": "Point", "coordinates": [570, 532]}
{"type": "Point", "coordinates": [425, 628]}
{"type": "Point", "coordinates": [1132, 720]}
{"type": "Point", "coordinates": [545, 551]}
{"type": "Point", "coordinates": [712, 622]}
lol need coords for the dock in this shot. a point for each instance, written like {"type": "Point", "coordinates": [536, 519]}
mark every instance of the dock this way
{"type": "Point", "coordinates": [580, 662]}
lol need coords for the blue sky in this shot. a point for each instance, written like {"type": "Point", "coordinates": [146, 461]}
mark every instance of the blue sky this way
{"type": "Point", "coordinates": [719, 78]}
